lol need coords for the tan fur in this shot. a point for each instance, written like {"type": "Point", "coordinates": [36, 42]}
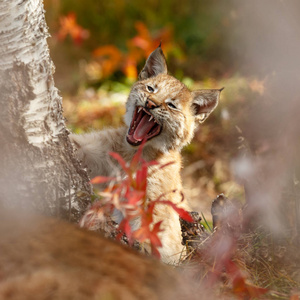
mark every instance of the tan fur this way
{"type": "Point", "coordinates": [178, 125]}
{"type": "Point", "coordinates": [47, 259]}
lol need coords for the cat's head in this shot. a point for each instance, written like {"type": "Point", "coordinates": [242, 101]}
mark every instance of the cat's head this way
{"type": "Point", "coordinates": [162, 110]}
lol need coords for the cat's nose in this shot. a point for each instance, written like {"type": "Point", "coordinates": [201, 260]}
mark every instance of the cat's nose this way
{"type": "Point", "coordinates": [150, 104]}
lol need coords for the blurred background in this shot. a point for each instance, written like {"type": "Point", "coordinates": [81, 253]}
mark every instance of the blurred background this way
{"type": "Point", "coordinates": [252, 49]}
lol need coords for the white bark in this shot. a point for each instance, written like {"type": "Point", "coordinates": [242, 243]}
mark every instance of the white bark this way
{"type": "Point", "coordinates": [37, 166]}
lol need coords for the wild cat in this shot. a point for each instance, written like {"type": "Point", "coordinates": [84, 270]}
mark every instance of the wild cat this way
{"type": "Point", "coordinates": [162, 111]}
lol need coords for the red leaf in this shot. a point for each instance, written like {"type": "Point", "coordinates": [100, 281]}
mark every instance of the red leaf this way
{"type": "Point", "coordinates": [121, 161]}
{"type": "Point", "coordinates": [137, 158]}
{"type": "Point", "coordinates": [154, 251]}
{"type": "Point", "coordinates": [134, 196]}
{"type": "Point", "coordinates": [149, 212]}
{"type": "Point", "coordinates": [144, 233]}
{"type": "Point", "coordinates": [154, 239]}
{"type": "Point", "coordinates": [125, 228]}
{"type": "Point", "coordinates": [101, 179]}
{"type": "Point", "coordinates": [141, 178]}
{"type": "Point", "coordinates": [182, 212]}
{"type": "Point", "coordinates": [167, 164]}
{"type": "Point", "coordinates": [150, 163]}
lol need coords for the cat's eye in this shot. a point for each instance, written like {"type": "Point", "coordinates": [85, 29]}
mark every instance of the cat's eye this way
{"type": "Point", "coordinates": [150, 89]}
{"type": "Point", "coordinates": [171, 105]}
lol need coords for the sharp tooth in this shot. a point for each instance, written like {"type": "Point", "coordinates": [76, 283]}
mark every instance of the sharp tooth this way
{"type": "Point", "coordinates": [140, 109]}
{"type": "Point", "coordinates": [150, 118]}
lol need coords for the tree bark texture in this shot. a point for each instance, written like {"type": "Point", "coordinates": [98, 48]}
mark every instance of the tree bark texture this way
{"type": "Point", "coordinates": [38, 169]}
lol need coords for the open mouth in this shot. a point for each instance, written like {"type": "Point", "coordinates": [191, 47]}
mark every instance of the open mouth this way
{"type": "Point", "coordinates": [143, 127]}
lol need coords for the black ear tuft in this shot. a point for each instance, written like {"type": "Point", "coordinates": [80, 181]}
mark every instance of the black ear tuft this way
{"type": "Point", "coordinates": [155, 64]}
{"type": "Point", "coordinates": [204, 102]}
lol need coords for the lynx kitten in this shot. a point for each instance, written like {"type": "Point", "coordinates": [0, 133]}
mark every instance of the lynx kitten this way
{"type": "Point", "coordinates": [161, 110]}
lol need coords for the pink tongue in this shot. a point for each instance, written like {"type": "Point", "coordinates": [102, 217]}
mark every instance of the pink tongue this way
{"type": "Point", "coordinates": [143, 128]}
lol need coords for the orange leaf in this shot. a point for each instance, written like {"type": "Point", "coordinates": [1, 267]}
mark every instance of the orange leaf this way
{"type": "Point", "coordinates": [68, 25]}
{"type": "Point", "coordinates": [141, 42]}
{"type": "Point", "coordinates": [130, 68]}
{"type": "Point", "coordinates": [142, 234]}
{"type": "Point", "coordinates": [101, 179]}
{"type": "Point", "coordinates": [108, 50]}
{"type": "Point", "coordinates": [255, 291]}
{"type": "Point", "coordinates": [109, 57]}
{"type": "Point", "coordinates": [149, 211]}
{"type": "Point", "coordinates": [143, 39]}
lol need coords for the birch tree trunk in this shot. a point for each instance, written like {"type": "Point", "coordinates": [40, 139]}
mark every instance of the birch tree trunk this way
{"type": "Point", "coordinates": [38, 169]}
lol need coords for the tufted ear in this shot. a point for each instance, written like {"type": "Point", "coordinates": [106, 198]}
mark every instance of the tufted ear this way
{"type": "Point", "coordinates": [204, 102]}
{"type": "Point", "coordinates": [155, 64]}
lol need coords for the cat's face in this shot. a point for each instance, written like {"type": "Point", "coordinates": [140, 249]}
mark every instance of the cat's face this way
{"type": "Point", "coordinates": [162, 110]}
{"type": "Point", "coordinates": [159, 109]}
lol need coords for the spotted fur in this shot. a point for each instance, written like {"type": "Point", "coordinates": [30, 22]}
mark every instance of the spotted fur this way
{"type": "Point", "coordinates": [178, 111]}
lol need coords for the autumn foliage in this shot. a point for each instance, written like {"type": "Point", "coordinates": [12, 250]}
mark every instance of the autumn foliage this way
{"type": "Point", "coordinates": [139, 48]}
{"type": "Point", "coordinates": [108, 59]}
{"type": "Point", "coordinates": [69, 26]}
{"type": "Point", "coordinates": [129, 196]}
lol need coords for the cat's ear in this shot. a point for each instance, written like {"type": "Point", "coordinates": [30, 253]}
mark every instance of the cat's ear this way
{"type": "Point", "coordinates": [204, 102]}
{"type": "Point", "coordinates": [155, 64]}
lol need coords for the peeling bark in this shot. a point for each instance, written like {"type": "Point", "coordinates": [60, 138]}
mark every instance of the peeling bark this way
{"type": "Point", "coordinates": [38, 169]}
